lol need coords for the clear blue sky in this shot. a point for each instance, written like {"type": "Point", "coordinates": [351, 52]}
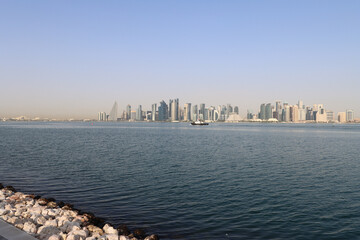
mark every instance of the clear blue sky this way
{"type": "Point", "coordinates": [75, 58]}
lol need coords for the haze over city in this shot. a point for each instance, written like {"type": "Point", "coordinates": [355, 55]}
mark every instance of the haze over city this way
{"type": "Point", "coordinates": [67, 59]}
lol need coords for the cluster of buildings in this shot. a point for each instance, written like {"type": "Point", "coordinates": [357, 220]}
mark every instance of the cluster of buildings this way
{"type": "Point", "coordinates": [280, 112]}
{"type": "Point", "coordinates": [173, 112]}
{"type": "Point", "coordinates": [299, 113]}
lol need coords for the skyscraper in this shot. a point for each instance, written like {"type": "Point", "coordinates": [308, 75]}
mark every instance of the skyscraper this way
{"type": "Point", "coordinates": [163, 111]}
{"type": "Point", "coordinates": [170, 108]}
{"type": "Point", "coordinates": [128, 112]}
{"type": "Point", "coordinates": [236, 110]}
{"type": "Point", "coordinates": [202, 111]}
{"type": "Point", "coordinates": [102, 116]}
{"type": "Point", "coordinates": [330, 115]}
{"type": "Point", "coordinates": [349, 115]}
{"type": "Point", "coordinates": [294, 113]}
{"type": "Point", "coordinates": [187, 112]}
{"type": "Point", "coordinates": [342, 117]}
{"type": "Point", "coordinates": [300, 104]}
{"type": "Point", "coordinates": [195, 113]}
{"type": "Point", "coordinates": [262, 111]}
{"type": "Point", "coordinates": [153, 112]}
{"type": "Point", "coordinates": [268, 111]}
{"type": "Point", "coordinates": [113, 112]}
{"type": "Point", "coordinates": [175, 110]}
{"type": "Point", "coordinates": [139, 116]}
{"type": "Point", "coordinates": [286, 113]}
{"type": "Point", "coordinates": [229, 110]}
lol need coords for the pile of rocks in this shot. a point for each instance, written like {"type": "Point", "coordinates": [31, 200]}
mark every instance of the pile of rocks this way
{"type": "Point", "coordinates": [44, 218]}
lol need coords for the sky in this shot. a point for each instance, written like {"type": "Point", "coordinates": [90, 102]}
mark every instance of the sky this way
{"type": "Point", "coordinates": [73, 59]}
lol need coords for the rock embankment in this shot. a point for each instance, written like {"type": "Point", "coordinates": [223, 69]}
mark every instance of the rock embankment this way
{"type": "Point", "coordinates": [44, 218]}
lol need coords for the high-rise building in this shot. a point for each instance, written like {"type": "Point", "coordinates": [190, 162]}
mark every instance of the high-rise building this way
{"type": "Point", "coordinates": [128, 112]}
{"type": "Point", "coordinates": [262, 111]}
{"type": "Point", "coordinates": [342, 117]}
{"type": "Point", "coordinates": [187, 112]}
{"type": "Point", "coordinates": [133, 115]}
{"type": "Point", "coordinates": [309, 114]}
{"type": "Point", "coordinates": [195, 113]}
{"type": "Point", "coordinates": [163, 111]}
{"type": "Point", "coordinates": [153, 112]}
{"type": "Point", "coordinates": [206, 114]}
{"type": "Point", "coordinates": [330, 115]}
{"type": "Point", "coordinates": [286, 113]}
{"type": "Point", "coordinates": [102, 116]}
{"type": "Point", "coordinates": [139, 114]}
{"type": "Point", "coordinates": [249, 114]}
{"type": "Point", "coordinates": [302, 114]}
{"type": "Point", "coordinates": [294, 113]}
{"type": "Point", "coordinates": [268, 111]}
{"type": "Point", "coordinates": [175, 110]}
{"type": "Point", "coordinates": [321, 115]}
{"type": "Point", "coordinates": [300, 104]}
{"type": "Point", "coordinates": [350, 115]}
{"type": "Point", "coordinates": [202, 111]}
{"type": "Point", "coordinates": [278, 110]}
{"type": "Point", "coordinates": [236, 110]}
{"type": "Point", "coordinates": [229, 110]}
{"type": "Point", "coordinates": [114, 112]}
{"type": "Point", "coordinates": [170, 108]}
{"type": "Point", "coordinates": [211, 113]}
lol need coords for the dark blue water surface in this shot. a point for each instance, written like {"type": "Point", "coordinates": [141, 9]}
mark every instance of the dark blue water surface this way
{"type": "Point", "coordinates": [222, 181]}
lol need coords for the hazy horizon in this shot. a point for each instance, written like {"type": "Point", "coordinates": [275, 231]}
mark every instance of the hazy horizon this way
{"type": "Point", "coordinates": [65, 59]}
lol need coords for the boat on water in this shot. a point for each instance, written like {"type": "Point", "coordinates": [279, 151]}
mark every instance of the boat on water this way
{"type": "Point", "coordinates": [199, 122]}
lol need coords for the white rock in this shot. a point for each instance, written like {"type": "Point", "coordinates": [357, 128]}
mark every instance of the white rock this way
{"type": "Point", "coordinates": [52, 212]}
{"type": "Point", "coordinates": [112, 237]}
{"type": "Point", "coordinates": [73, 237]}
{"type": "Point", "coordinates": [70, 226]}
{"type": "Point", "coordinates": [4, 212]}
{"type": "Point", "coordinates": [18, 212]}
{"type": "Point", "coordinates": [110, 230]}
{"type": "Point", "coordinates": [29, 227]}
{"type": "Point", "coordinates": [90, 238]}
{"type": "Point", "coordinates": [12, 220]}
{"type": "Point", "coordinates": [30, 202]}
{"type": "Point", "coordinates": [25, 215]}
{"type": "Point", "coordinates": [51, 223]}
{"type": "Point", "coordinates": [40, 220]}
{"type": "Point", "coordinates": [11, 213]}
{"type": "Point", "coordinates": [122, 237]}
{"type": "Point", "coordinates": [45, 212]}
{"type": "Point", "coordinates": [96, 235]}
{"type": "Point", "coordinates": [62, 236]}
{"type": "Point", "coordinates": [46, 231]}
{"type": "Point", "coordinates": [19, 225]}
{"type": "Point", "coordinates": [2, 196]}
{"type": "Point", "coordinates": [54, 237]}
{"type": "Point", "coordinates": [61, 220]}
{"type": "Point", "coordinates": [70, 213]}
{"type": "Point", "coordinates": [8, 207]}
{"type": "Point", "coordinates": [35, 210]}
{"type": "Point", "coordinates": [80, 233]}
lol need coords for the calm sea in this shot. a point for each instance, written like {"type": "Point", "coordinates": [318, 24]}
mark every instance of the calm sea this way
{"type": "Point", "coordinates": [222, 181]}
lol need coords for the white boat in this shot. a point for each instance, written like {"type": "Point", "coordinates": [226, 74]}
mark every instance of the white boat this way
{"type": "Point", "coordinates": [199, 122]}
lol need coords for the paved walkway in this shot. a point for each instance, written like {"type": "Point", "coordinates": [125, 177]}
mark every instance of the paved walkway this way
{"type": "Point", "coordinates": [9, 232]}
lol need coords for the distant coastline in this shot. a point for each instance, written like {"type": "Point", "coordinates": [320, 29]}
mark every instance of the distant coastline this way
{"type": "Point", "coordinates": [258, 121]}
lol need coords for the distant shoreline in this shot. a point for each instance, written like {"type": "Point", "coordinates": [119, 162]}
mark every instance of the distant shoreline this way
{"type": "Point", "coordinates": [221, 122]}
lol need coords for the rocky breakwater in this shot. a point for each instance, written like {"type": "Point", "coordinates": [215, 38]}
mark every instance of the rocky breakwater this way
{"type": "Point", "coordinates": [46, 219]}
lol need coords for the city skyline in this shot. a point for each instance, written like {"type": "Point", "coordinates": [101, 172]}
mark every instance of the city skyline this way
{"type": "Point", "coordinates": [264, 110]}
{"type": "Point", "coordinates": [56, 64]}
{"type": "Point", "coordinates": [281, 111]}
